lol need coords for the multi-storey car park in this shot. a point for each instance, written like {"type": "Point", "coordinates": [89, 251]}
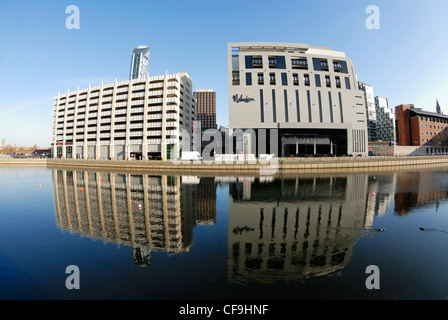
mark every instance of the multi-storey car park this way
{"type": "Point", "coordinates": [304, 97]}
{"type": "Point", "coordinates": [132, 119]}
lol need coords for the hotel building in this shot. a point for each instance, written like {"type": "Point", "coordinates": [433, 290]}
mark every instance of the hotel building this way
{"type": "Point", "coordinates": [309, 94]}
{"type": "Point", "coordinates": [132, 119]}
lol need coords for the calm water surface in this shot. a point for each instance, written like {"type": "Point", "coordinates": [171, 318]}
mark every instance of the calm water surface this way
{"type": "Point", "coordinates": [183, 237]}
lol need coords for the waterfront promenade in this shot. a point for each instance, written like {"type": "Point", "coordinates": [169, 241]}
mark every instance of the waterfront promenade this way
{"type": "Point", "coordinates": [274, 166]}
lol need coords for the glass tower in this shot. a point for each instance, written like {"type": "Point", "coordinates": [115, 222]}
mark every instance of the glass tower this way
{"type": "Point", "coordinates": [140, 63]}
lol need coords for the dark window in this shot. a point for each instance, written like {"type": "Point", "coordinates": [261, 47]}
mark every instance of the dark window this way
{"type": "Point", "coordinates": [344, 66]}
{"type": "Point", "coordinates": [286, 105]}
{"type": "Point", "coordinates": [347, 83]}
{"type": "Point", "coordinates": [317, 77]}
{"type": "Point", "coordinates": [248, 60]}
{"type": "Point", "coordinates": [261, 106]}
{"type": "Point", "coordinates": [274, 111]}
{"type": "Point", "coordinates": [317, 65]}
{"type": "Point", "coordinates": [298, 105]}
{"type": "Point", "coordinates": [248, 79]}
{"type": "Point", "coordinates": [310, 119]}
{"type": "Point", "coordinates": [281, 63]}
{"type": "Point", "coordinates": [320, 107]}
{"type": "Point", "coordinates": [284, 79]}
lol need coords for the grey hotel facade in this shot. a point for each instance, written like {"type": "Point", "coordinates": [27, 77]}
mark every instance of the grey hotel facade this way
{"type": "Point", "coordinates": [309, 94]}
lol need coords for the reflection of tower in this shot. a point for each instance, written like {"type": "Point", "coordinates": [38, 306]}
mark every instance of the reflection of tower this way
{"type": "Point", "coordinates": [294, 228]}
{"type": "Point", "coordinates": [139, 211]}
{"type": "Point", "coordinates": [205, 201]}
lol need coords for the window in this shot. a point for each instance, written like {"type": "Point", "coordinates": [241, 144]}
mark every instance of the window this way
{"type": "Point", "coordinates": [328, 81]}
{"type": "Point", "coordinates": [338, 82]}
{"type": "Point", "coordinates": [235, 78]}
{"type": "Point", "coordinates": [260, 78]}
{"type": "Point", "coordinates": [272, 78]}
{"type": "Point", "coordinates": [248, 79]}
{"type": "Point", "coordinates": [317, 79]}
{"type": "Point", "coordinates": [306, 79]}
{"type": "Point", "coordinates": [337, 66]}
{"type": "Point", "coordinates": [284, 79]}
{"type": "Point", "coordinates": [295, 79]}
{"type": "Point", "coordinates": [299, 63]}
{"type": "Point", "coordinates": [347, 83]}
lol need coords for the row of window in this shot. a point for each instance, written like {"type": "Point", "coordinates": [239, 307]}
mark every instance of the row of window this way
{"type": "Point", "coordinates": [433, 126]}
{"type": "Point", "coordinates": [295, 80]}
{"type": "Point", "coordinates": [430, 119]}
{"type": "Point", "coordinates": [279, 62]}
{"type": "Point", "coordinates": [431, 133]}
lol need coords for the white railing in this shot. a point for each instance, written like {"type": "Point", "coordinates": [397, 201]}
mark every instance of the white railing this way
{"type": "Point", "coordinates": [120, 119]}
{"type": "Point", "coordinates": [154, 132]}
{"type": "Point", "coordinates": [155, 100]}
{"type": "Point", "coordinates": [157, 108]}
{"type": "Point", "coordinates": [154, 124]}
{"type": "Point", "coordinates": [137, 102]}
{"type": "Point", "coordinates": [136, 118]}
{"type": "Point", "coordinates": [136, 125]}
{"type": "Point", "coordinates": [119, 126]}
{"type": "Point", "coordinates": [121, 111]}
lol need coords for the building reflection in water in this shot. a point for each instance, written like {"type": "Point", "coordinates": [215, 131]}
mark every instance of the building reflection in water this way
{"type": "Point", "coordinates": [419, 188]}
{"type": "Point", "coordinates": [146, 213]}
{"type": "Point", "coordinates": [291, 229]}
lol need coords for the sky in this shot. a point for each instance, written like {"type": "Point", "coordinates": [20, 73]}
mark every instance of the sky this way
{"type": "Point", "coordinates": [404, 60]}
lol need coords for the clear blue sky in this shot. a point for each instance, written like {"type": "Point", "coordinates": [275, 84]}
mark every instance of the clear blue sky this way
{"type": "Point", "coordinates": [405, 60]}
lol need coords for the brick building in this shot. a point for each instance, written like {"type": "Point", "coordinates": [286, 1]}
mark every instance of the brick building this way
{"type": "Point", "coordinates": [421, 128]}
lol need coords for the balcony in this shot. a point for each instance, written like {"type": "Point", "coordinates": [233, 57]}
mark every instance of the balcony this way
{"type": "Point", "coordinates": [136, 125]}
{"type": "Point", "coordinates": [121, 111]}
{"type": "Point", "coordinates": [154, 116]}
{"type": "Point", "coordinates": [154, 124]}
{"type": "Point", "coordinates": [119, 126]}
{"type": "Point", "coordinates": [155, 100]}
{"type": "Point", "coordinates": [136, 133]}
{"type": "Point", "coordinates": [156, 93]}
{"type": "Point", "coordinates": [137, 102]}
{"type": "Point", "coordinates": [154, 132]}
{"type": "Point", "coordinates": [172, 124]}
{"type": "Point", "coordinates": [120, 119]}
{"type": "Point", "coordinates": [135, 118]}
{"type": "Point", "coordinates": [159, 108]}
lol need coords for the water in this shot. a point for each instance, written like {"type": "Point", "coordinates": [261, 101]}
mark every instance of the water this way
{"type": "Point", "coordinates": [306, 236]}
